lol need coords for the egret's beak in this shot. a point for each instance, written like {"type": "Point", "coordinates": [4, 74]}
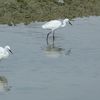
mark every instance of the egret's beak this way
{"type": "Point", "coordinates": [10, 51]}
{"type": "Point", "coordinates": [70, 23]}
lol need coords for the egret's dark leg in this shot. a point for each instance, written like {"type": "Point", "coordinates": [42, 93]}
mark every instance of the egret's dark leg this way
{"type": "Point", "coordinates": [53, 44]}
{"type": "Point", "coordinates": [47, 37]}
{"type": "Point", "coordinates": [53, 36]}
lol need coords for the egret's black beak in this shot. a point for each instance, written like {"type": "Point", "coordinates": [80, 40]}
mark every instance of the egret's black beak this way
{"type": "Point", "coordinates": [10, 51]}
{"type": "Point", "coordinates": [70, 23]}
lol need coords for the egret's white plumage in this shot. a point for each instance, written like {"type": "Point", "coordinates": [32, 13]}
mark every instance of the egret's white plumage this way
{"type": "Point", "coordinates": [54, 24]}
{"type": "Point", "coordinates": [4, 52]}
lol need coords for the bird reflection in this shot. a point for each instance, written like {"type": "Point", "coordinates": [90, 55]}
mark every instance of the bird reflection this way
{"type": "Point", "coordinates": [68, 52]}
{"type": "Point", "coordinates": [54, 51]}
{"type": "Point", "coordinates": [4, 84]}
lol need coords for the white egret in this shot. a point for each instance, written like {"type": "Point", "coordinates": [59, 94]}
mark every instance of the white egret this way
{"type": "Point", "coordinates": [53, 25]}
{"type": "Point", "coordinates": [4, 52]}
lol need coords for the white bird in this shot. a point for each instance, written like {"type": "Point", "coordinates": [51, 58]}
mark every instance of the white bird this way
{"type": "Point", "coordinates": [53, 25]}
{"type": "Point", "coordinates": [4, 52]}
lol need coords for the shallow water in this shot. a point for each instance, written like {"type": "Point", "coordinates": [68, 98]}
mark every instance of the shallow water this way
{"type": "Point", "coordinates": [68, 71]}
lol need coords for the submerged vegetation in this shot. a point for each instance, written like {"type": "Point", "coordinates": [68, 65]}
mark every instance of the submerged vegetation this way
{"type": "Point", "coordinates": [16, 11]}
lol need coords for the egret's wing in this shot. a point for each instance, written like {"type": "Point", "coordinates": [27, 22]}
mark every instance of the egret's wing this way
{"type": "Point", "coordinates": [1, 50]}
{"type": "Point", "coordinates": [52, 24]}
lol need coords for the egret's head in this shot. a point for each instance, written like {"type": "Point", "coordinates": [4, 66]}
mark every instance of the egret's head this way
{"type": "Point", "coordinates": [67, 20]}
{"type": "Point", "coordinates": [8, 48]}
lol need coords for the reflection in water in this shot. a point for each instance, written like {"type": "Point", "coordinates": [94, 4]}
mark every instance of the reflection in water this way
{"type": "Point", "coordinates": [53, 51]}
{"type": "Point", "coordinates": [4, 84]}
{"type": "Point", "coordinates": [68, 52]}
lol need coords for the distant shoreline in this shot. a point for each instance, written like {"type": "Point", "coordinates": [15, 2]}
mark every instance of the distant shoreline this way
{"type": "Point", "coordinates": [26, 11]}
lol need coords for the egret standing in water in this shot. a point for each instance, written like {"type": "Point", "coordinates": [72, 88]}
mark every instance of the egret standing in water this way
{"type": "Point", "coordinates": [4, 52]}
{"type": "Point", "coordinates": [53, 25]}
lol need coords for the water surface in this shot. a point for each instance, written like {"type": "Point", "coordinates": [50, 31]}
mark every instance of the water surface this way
{"type": "Point", "coordinates": [69, 70]}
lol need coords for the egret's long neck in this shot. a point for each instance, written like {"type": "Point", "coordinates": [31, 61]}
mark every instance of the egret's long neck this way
{"type": "Point", "coordinates": [63, 24]}
{"type": "Point", "coordinates": [6, 49]}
